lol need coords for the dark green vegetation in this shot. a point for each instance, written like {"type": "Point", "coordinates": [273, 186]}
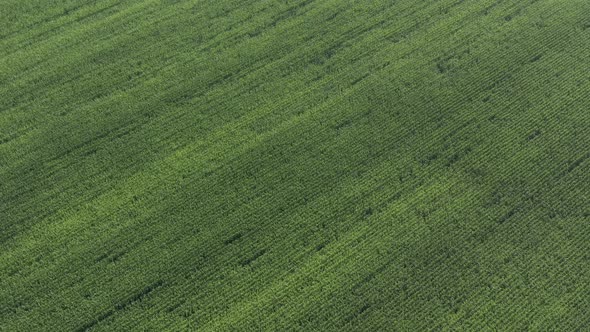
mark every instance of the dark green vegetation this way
{"type": "Point", "coordinates": [294, 165]}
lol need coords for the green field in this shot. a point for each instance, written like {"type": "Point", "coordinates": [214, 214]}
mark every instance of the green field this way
{"type": "Point", "coordinates": [294, 165]}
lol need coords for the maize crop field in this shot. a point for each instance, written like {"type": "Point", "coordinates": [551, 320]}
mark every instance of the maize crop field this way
{"type": "Point", "coordinates": [294, 165]}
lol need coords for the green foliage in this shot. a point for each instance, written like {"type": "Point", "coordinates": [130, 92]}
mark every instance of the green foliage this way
{"type": "Point", "coordinates": [294, 165]}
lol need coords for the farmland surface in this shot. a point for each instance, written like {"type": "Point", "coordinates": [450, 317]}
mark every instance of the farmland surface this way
{"type": "Point", "coordinates": [294, 165]}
